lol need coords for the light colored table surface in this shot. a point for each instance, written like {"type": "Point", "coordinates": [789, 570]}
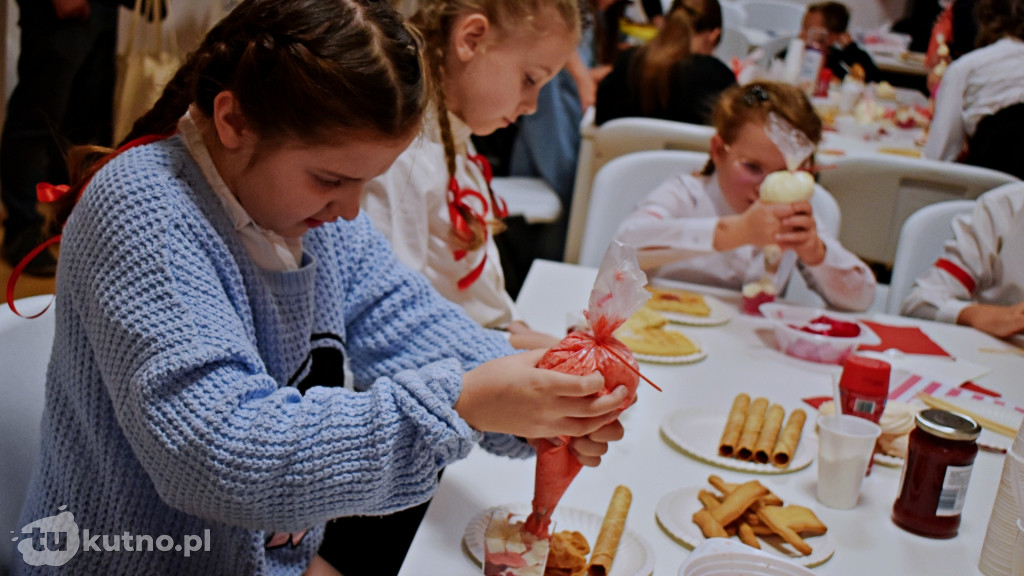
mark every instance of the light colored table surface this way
{"type": "Point", "coordinates": [739, 359]}
{"type": "Point", "coordinates": [847, 138]}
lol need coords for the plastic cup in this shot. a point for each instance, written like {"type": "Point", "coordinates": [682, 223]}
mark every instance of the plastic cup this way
{"type": "Point", "coordinates": [1017, 480]}
{"type": "Point", "coordinates": [1018, 550]}
{"type": "Point", "coordinates": [845, 446]}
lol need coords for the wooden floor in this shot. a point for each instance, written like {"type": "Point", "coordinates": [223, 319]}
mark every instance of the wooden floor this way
{"type": "Point", "coordinates": [27, 285]}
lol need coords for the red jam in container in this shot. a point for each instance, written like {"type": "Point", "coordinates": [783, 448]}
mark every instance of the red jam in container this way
{"type": "Point", "coordinates": [938, 467]}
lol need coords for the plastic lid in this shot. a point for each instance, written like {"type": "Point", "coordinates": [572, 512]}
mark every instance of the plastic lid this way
{"type": "Point", "coordinates": [866, 376]}
{"type": "Point", "coordinates": [946, 424]}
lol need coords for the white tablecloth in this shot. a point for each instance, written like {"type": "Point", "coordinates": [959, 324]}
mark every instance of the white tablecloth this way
{"type": "Point", "coordinates": [739, 359]}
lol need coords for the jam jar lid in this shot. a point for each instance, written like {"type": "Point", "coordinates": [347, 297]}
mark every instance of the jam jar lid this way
{"type": "Point", "coordinates": [946, 424]}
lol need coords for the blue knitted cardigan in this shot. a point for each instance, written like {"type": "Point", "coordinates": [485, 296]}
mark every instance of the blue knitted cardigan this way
{"type": "Point", "coordinates": [189, 390]}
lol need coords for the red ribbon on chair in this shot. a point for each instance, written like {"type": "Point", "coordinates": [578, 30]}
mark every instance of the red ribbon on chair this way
{"type": "Point", "coordinates": [47, 193]}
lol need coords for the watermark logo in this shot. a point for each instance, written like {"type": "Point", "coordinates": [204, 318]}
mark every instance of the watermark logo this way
{"type": "Point", "coordinates": [54, 540]}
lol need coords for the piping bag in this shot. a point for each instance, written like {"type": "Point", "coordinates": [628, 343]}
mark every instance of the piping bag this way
{"type": "Point", "coordinates": [618, 292]}
{"type": "Point", "coordinates": [783, 187]}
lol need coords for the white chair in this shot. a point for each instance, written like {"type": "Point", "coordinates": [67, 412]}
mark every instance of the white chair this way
{"type": "Point", "coordinates": [621, 136]}
{"type": "Point", "coordinates": [620, 185]}
{"type": "Point", "coordinates": [775, 17]}
{"type": "Point", "coordinates": [733, 15]}
{"type": "Point", "coordinates": [530, 198]}
{"type": "Point", "coordinates": [734, 44]}
{"type": "Point", "coordinates": [921, 243]}
{"type": "Point", "coordinates": [878, 192]}
{"type": "Point", "coordinates": [24, 354]}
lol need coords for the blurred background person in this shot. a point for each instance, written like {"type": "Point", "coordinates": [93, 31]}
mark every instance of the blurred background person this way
{"type": "Point", "coordinates": [674, 76]}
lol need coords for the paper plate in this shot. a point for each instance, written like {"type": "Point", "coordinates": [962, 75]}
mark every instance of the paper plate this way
{"type": "Point", "coordinates": [697, 356]}
{"type": "Point", "coordinates": [634, 557]}
{"type": "Point", "coordinates": [675, 511]}
{"type": "Point", "coordinates": [698, 433]}
{"type": "Point", "coordinates": [721, 312]}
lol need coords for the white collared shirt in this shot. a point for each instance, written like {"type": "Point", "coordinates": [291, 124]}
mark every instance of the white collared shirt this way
{"type": "Point", "coordinates": [269, 250]}
{"type": "Point", "coordinates": [409, 204]}
{"type": "Point", "coordinates": [978, 84]}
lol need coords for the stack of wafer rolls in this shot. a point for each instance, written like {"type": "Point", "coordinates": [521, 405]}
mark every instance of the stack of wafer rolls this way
{"type": "Point", "coordinates": [754, 431]}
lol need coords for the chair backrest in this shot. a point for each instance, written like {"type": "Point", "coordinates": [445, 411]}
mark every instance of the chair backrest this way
{"type": "Point", "coordinates": [733, 15]}
{"type": "Point", "coordinates": [599, 145]}
{"type": "Point", "coordinates": [620, 185]}
{"type": "Point", "coordinates": [734, 44]}
{"type": "Point", "coordinates": [921, 242]}
{"type": "Point", "coordinates": [779, 17]}
{"type": "Point", "coordinates": [24, 354]}
{"type": "Point", "coordinates": [877, 193]}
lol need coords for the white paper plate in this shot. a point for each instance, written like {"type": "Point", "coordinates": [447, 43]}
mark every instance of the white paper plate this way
{"type": "Point", "coordinates": [675, 515]}
{"type": "Point", "coordinates": [698, 433]}
{"type": "Point", "coordinates": [697, 356]}
{"type": "Point", "coordinates": [634, 557]}
{"type": "Point", "coordinates": [887, 460]}
{"type": "Point", "coordinates": [721, 313]}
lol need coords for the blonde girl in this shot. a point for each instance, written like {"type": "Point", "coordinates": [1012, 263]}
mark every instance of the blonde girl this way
{"type": "Point", "coordinates": [487, 61]}
{"type": "Point", "coordinates": [238, 355]}
{"type": "Point", "coordinates": [711, 228]}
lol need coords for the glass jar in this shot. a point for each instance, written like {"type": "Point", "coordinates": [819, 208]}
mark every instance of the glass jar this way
{"type": "Point", "coordinates": [938, 467]}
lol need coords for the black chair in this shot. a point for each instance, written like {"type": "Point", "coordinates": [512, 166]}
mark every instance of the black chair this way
{"type": "Point", "coordinates": [996, 142]}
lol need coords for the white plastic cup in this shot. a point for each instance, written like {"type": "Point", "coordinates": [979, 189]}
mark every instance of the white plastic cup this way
{"type": "Point", "coordinates": [1018, 550]}
{"type": "Point", "coordinates": [845, 446]}
{"type": "Point", "coordinates": [1017, 479]}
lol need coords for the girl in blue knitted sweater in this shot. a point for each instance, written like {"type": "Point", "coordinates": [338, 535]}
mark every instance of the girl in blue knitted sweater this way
{"type": "Point", "coordinates": [239, 356]}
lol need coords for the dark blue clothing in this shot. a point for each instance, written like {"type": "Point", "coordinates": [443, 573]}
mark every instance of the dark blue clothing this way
{"type": "Point", "coordinates": [64, 95]}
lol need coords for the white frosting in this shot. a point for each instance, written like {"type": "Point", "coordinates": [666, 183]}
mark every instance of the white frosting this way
{"type": "Point", "coordinates": [784, 187]}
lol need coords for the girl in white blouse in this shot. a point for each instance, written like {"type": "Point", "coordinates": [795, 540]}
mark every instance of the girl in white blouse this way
{"type": "Point", "coordinates": [711, 228]}
{"type": "Point", "coordinates": [488, 60]}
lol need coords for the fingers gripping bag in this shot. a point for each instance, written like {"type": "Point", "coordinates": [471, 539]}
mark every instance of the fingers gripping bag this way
{"type": "Point", "coordinates": [618, 292]}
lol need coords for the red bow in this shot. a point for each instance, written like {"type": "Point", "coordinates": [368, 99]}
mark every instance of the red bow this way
{"type": "Point", "coordinates": [47, 192]}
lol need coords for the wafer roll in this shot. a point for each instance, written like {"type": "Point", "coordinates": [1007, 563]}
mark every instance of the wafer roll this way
{"type": "Point", "coordinates": [734, 425]}
{"type": "Point", "coordinates": [751, 429]}
{"type": "Point", "coordinates": [789, 439]}
{"type": "Point", "coordinates": [769, 434]}
{"type": "Point", "coordinates": [612, 527]}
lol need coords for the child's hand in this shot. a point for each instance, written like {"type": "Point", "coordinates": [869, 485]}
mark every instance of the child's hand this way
{"type": "Point", "coordinates": [511, 395]}
{"type": "Point", "coordinates": [799, 232]}
{"type": "Point", "coordinates": [761, 224]}
{"type": "Point", "coordinates": [522, 337]}
{"type": "Point", "coordinates": [999, 321]}
{"type": "Point", "coordinates": [590, 448]}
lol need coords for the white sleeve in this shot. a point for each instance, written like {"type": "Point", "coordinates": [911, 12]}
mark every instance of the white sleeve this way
{"type": "Point", "coordinates": [670, 221]}
{"type": "Point", "coordinates": [969, 260]}
{"type": "Point", "coordinates": [398, 203]}
{"type": "Point", "coordinates": [946, 133]}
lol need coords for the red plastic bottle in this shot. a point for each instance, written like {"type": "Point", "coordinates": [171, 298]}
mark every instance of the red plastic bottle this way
{"type": "Point", "coordinates": [863, 389]}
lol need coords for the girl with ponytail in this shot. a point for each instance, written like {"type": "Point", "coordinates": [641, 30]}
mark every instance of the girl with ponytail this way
{"type": "Point", "coordinates": [486, 60]}
{"type": "Point", "coordinates": [238, 355]}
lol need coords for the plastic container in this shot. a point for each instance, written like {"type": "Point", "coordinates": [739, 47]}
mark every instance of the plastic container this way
{"type": "Point", "coordinates": [936, 473]}
{"type": "Point", "coordinates": [813, 347]}
{"type": "Point", "coordinates": [722, 557]}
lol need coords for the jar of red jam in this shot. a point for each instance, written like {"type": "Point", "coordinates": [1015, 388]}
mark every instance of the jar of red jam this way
{"type": "Point", "coordinates": [940, 457]}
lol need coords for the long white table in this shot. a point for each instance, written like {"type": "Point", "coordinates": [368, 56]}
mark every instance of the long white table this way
{"type": "Point", "coordinates": [739, 359]}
